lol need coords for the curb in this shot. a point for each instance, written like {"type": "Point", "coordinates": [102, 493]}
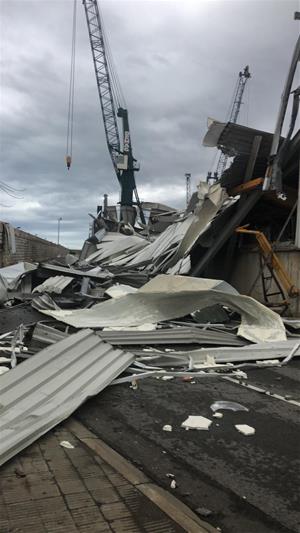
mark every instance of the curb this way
{"type": "Point", "coordinates": [169, 504]}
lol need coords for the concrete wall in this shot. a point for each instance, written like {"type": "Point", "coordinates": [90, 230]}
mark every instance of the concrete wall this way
{"type": "Point", "coordinates": [246, 272]}
{"type": "Point", "coordinates": [28, 248]}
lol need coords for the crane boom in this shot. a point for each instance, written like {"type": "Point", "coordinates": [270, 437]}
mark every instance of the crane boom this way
{"type": "Point", "coordinates": [237, 102]}
{"type": "Point", "coordinates": [103, 79]}
{"type": "Point", "coordinates": [236, 106]}
{"type": "Point", "coordinates": [122, 158]}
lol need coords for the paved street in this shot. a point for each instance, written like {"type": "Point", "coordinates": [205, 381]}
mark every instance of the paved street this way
{"type": "Point", "coordinates": [53, 489]}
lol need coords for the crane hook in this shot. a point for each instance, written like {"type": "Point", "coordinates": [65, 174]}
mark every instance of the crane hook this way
{"type": "Point", "coordinates": [68, 161]}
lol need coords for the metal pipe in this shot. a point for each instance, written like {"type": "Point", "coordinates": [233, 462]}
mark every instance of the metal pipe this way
{"type": "Point", "coordinates": [282, 111]}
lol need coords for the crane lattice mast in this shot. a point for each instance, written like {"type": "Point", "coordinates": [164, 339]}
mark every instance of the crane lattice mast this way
{"type": "Point", "coordinates": [110, 93]}
{"type": "Point", "coordinates": [236, 106]}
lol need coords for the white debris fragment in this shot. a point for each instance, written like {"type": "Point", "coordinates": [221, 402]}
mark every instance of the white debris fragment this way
{"type": "Point", "coordinates": [66, 444]}
{"type": "Point", "coordinates": [268, 362]}
{"type": "Point", "coordinates": [218, 415]}
{"type": "Point", "coordinates": [118, 290]}
{"type": "Point", "coordinates": [3, 369]}
{"type": "Point", "coordinates": [167, 427]}
{"type": "Point", "coordinates": [232, 406]}
{"type": "Point", "coordinates": [4, 360]}
{"type": "Point", "coordinates": [173, 484]}
{"type": "Point", "coordinates": [166, 378]}
{"type": "Point", "coordinates": [245, 429]}
{"type": "Point", "coordinates": [142, 327]}
{"type": "Point", "coordinates": [196, 422]}
{"type": "Point", "coordinates": [240, 374]}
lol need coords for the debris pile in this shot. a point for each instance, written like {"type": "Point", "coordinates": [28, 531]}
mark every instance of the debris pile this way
{"type": "Point", "coordinates": [123, 311]}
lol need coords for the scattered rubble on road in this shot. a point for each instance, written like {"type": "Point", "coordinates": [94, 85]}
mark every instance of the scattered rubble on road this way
{"type": "Point", "coordinates": [196, 422]}
{"type": "Point", "coordinates": [123, 307]}
{"type": "Point", "coordinates": [245, 429]}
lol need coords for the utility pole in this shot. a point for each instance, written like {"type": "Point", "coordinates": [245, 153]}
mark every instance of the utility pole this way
{"type": "Point", "coordinates": [58, 228]}
{"type": "Point", "coordinates": [188, 187]}
{"type": "Point", "coordinates": [105, 205]}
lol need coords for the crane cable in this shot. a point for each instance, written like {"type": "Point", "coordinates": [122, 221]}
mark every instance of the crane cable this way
{"type": "Point", "coordinates": [69, 146]}
{"type": "Point", "coordinates": [115, 82]}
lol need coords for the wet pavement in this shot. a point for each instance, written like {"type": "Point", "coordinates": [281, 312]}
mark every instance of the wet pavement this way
{"type": "Point", "coordinates": [249, 483]}
{"type": "Point", "coordinates": [53, 489]}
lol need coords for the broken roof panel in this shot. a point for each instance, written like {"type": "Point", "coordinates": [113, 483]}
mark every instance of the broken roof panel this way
{"type": "Point", "coordinates": [167, 297]}
{"type": "Point", "coordinates": [212, 200]}
{"type": "Point", "coordinates": [166, 240]}
{"type": "Point", "coordinates": [47, 335]}
{"type": "Point", "coordinates": [12, 274]}
{"type": "Point", "coordinates": [65, 375]}
{"type": "Point", "coordinates": [252, 352]}
{"type": "Point", "coordinates": [235, 139]}
{"type": "Point", "coordinates": [179, 335]}
{"type": "Point", "coordinates": [92, 273]}
{"type": "Point", "coordinates": [110, 249]}
{"type": "Point", "coordinates": [54, 284]}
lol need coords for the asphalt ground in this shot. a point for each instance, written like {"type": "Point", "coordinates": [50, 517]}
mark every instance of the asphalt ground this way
{"type": "Point", "coordinates": [249, 483]}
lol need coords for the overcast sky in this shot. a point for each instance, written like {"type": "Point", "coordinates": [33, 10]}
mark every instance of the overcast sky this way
{"type": "Point", "coordinates": [178, 63]}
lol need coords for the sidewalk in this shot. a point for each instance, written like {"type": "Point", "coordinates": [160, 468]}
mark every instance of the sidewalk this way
{"type": "Point", "coordinates": [49, 488]}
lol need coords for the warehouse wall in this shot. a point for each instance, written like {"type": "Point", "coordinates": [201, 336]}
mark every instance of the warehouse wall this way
{"type": "Point", "coordinates": [246, 272]}
{"type": "Point", "coordinates": [28, 248]}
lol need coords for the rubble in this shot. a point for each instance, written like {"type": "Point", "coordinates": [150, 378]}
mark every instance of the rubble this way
{"type": "Point", "coordinates": [73, 317]}
{"type": "Point", "coordinates": [168, 297]}
{"type": "Point", "coordinates": [245, 429]}
{"type": "Point", "coordinates": [232, 406]}
{"type": "Point", "coordinates": [65, 375]}
{"type": "Point", "coordinates": [196, 422]}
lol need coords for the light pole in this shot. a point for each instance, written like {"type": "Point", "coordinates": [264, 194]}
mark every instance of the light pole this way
{"type": "Point", "coordinates": [58, 228]}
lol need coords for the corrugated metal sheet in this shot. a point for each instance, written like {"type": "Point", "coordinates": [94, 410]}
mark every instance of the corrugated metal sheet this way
{"type": "Point", "coordinates": [168, 297]}
{"type": "Point", "coordinates": [47, 334]}
{"type": "Point", "coordinates": [54, 284]}
{"type": "Point", "coordinates": [180, 335]}
{"type": "Point", "coordinates": [75, 272]}
{"type": "Point", "coordinates": [251, 353]}
{"type": "Point", "coordinates": [236, 139]}
{"type": "Point", "coordinates": [45, 389]}
{"type": "Point", "coordinates": [110, 250]}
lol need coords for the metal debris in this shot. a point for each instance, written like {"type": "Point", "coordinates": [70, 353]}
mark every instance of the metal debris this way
{"type": "Point", "coordinates": [65, 374]}
{"type": "Point", "coordinates": [232, 406]}
{"type": "Point", "coordinates": [168, 297]}
{"type": "Point", "coordinates": [55, 284]}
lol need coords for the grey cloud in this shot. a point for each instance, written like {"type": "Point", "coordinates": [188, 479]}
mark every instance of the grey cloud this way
{"type": "Point", "coordinates": [177, 62]}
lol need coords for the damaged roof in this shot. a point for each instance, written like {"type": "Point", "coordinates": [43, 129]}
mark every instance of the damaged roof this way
{"type": "Point", "coordinates": [64, 375]}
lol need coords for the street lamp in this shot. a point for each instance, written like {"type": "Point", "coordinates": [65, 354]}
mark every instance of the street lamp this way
{"type": "Point", "coordinates": [58, 228]}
